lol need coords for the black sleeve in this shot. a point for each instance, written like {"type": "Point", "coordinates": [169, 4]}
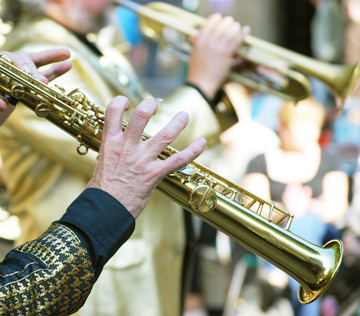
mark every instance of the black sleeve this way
{"type": "Point", "coordinates": [257, 165]}
{"type": "Point", "coordinates": [102, 224]}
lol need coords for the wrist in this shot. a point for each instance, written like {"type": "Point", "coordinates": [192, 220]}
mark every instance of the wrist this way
{"type": "Point", "coordinates": [128, 200]}
{"type": "Point", "coordinates": [208, 89]}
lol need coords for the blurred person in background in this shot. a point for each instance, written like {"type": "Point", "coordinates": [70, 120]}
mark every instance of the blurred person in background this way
{"type": "Point", "coordinates": [43, 171]}
{"type": "Point", "coordinates": [241, 142]}
{"type": "Point", "coordinates": [347, 138]}
{"type": "Point", "coordinates": [347, 127]}
{"type": "Point", "coordinates": [303, 179]}
{"type": "Point", "coordinates": [352, 31]}
{"type": "Point", "coordinates": [327, 30]}
{"type": "Point", "coordinates": [327, 39]}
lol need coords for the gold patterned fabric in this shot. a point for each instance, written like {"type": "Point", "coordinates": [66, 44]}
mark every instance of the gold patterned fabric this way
{"type": "Point", "coordinates": [51, 275]}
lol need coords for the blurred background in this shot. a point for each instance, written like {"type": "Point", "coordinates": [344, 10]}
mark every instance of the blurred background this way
{"type": "Point", "coordinates": [226, 278]}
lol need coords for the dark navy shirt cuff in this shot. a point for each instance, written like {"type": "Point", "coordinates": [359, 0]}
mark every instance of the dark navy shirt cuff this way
{"type": "Point", "coordinates": [102, 224]}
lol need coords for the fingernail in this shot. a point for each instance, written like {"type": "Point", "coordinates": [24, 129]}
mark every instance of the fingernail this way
{"type": "Point", "coordinates": [202, 141]}
{"type": "Point", "coordinates": [43, 79]}
{"type": "Point", "coordinates": [184, 114]}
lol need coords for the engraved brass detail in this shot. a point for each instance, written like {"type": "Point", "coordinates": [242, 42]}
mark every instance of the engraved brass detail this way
{"type": "Point", "coordinates": [203, 199]}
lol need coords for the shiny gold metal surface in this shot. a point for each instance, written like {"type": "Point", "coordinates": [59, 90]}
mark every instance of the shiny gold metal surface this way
{"type": "Point", "coordinates": [269, 68]}
{"type": "Point", "coordinates": [255, 223]}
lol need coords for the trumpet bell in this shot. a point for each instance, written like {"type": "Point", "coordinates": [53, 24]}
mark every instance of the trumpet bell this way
{"type": "Point", "coordinates": [348, 83]}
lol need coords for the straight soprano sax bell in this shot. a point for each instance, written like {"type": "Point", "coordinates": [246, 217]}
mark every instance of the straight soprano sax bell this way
{"type": "Point", "coordinates": [217, 201]}
{"type": "Point", "coordinates": [288, 70]}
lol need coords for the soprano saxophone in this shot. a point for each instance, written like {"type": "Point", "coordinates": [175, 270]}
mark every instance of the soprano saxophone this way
{"type": "Point", "coordinates": [241, 215]}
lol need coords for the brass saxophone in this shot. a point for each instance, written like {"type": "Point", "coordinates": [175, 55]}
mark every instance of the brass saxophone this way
{"type": "Point", "coordinates": [241, 215]}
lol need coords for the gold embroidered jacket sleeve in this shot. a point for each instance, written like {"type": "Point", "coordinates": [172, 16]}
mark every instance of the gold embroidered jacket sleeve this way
{"type": "Point", "coordinates": [51, 275]}
{"type": "Point", "coordinates": [54, 274]}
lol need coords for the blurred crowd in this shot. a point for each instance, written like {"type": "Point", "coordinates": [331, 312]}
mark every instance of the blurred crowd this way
{"type": "Point", "coordinates": [305, 157]}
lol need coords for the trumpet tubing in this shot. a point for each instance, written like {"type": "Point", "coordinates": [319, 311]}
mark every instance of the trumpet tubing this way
{"type": "Point", "coordinates": [288, 70]}
{"type": "Point", "coordinates": [196, 188]}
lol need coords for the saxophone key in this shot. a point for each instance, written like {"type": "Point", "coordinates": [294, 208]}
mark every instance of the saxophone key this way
{"type": "Point", "coordinates": [203, 199]}
{"type": "Point", "coordinates": [42, 110]}
{"type": "Point", "coordinates": [17, 91]}
{"type": "Point", "coordinates": [82, 149]}
{"type": "Point", "coordinates": [5, 79]}
{"type": "Point", "coordinates": [187, 171]}
{"type": "Point", "coordinates": [61, 89]}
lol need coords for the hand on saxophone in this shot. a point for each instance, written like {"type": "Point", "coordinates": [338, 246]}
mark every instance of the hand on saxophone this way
{"type": "Point", "coordinates": [30, 63]}
{"type": "Point", "coordinates": [213, 53]}
{"type": "Point", "coordinates": [129, 168]}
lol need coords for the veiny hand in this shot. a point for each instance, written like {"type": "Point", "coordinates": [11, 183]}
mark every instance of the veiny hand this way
{"type": "Point", "coordinates": [213, 53]}
{"type": "Point", "coordinates": [129, 168]}
{"type": "Point", "coordinates": [30, 63]}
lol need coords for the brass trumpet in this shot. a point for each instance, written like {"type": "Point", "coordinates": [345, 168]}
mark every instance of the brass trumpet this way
{"type": "Point", "coordinates": [287, 76]}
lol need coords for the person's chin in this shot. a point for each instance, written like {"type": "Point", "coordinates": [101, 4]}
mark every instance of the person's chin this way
{"type": "Point", "coordinates": [101, 21]}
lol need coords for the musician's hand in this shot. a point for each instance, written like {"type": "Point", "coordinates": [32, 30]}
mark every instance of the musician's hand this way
{"type": "Point", "coordinates": [30, 63]}
{"type": "Point", "coordinates": [213, 53]}
{"type": "Point", "coordinates": [48, 57]}
{"type": "Point", "coordinates": [129, 168]}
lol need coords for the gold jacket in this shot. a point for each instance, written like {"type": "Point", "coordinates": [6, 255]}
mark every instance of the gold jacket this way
{"type": "Point", "coordinates": [43, 172]}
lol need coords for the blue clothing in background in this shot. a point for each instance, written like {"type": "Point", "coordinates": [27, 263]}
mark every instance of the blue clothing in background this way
{"type": "Point", "coordinates": [128, 23]}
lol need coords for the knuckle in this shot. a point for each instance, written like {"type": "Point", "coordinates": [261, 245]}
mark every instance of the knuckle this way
{"type": "Point", "coordinates": [216, 16]}
{"type": "Point", "coordinates": [121, 101]}
{"type": "Point", "coordinates": [228, 19]}
{"type": "Point", "coordinates": [183, 118]}
{"type": "Point", "coordinates": [112, 108]}
{"type": "Point", "coordinates": [236, 27]}
{"type": "Point", "coordinates": [196, 149]}
{"type": "Point", "coordinates": [142, 113]}
{"type": "Point", "coordinates": [21, 53]}
{"type": "Point", "coordinates": [166, 135]}
{"type": "Point", "coordinates": [179, 160]}
{"type": "Point", "coordinates": [151, 101]}
{"type": "Point", "coordinates": [151, 105]}
{"type": "Point", "coordinates": [153, 174]}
